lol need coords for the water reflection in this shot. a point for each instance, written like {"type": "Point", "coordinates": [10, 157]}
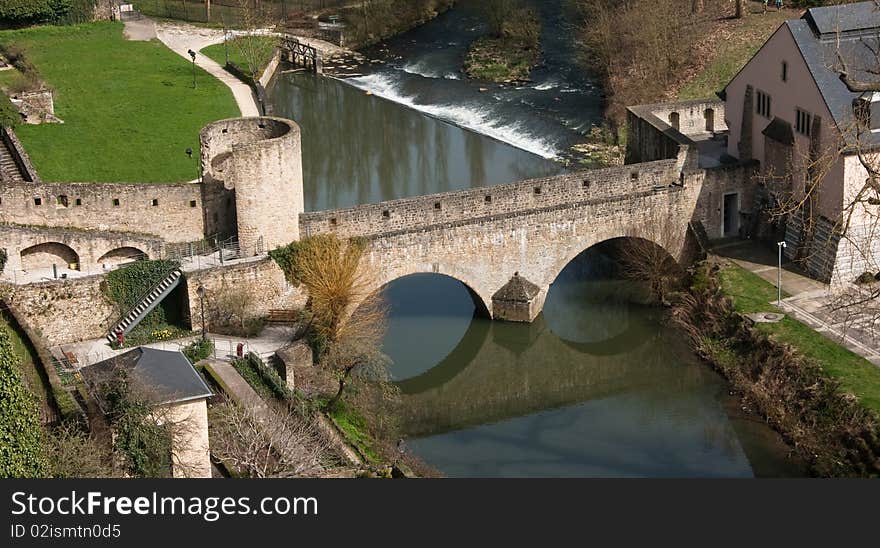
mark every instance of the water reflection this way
{"type": "Point", "coordinates": [617, 395]}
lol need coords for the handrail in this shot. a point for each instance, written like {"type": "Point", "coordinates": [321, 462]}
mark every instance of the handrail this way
{"type": "Point", "coordinates": [142, 297]}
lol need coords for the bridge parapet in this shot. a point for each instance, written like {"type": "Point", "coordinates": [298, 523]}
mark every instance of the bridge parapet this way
{"type": "Point", "coordinates": [422, 212]}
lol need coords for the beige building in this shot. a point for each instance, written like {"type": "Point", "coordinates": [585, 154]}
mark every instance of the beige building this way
{"type": "Point", "coordinates": [790, 109]}
{"type": "Point", "coordinates": [179, 397]}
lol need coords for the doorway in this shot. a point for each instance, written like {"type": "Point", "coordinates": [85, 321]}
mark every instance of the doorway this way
{"type": "Point", "coordinates": [730, 214]}
{"type": "Point", "coordinates": [709, 115]}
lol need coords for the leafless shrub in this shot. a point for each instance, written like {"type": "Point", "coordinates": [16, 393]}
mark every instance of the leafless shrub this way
{"type": "Point", "coordinates": [268, 442]}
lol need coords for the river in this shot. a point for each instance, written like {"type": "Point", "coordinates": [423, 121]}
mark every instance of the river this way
{"type": "Point", "coordinates": [599, 385]}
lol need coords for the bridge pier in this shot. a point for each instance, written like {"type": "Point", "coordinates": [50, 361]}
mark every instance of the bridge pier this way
{"type": "Point", "coordinates": [519, 300]}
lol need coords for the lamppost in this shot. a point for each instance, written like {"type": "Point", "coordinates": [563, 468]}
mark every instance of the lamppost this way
{"type": "Point", "coordinates": [780, 246]}
{"type": "Point", "coordinates": [193, 55]}
{"type": "Point", "coordinates": [201, 293]}
{"type": "Point", "coordinates": [189, 153]}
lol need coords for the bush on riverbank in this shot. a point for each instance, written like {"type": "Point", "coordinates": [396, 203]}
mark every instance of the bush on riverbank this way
{"type": "Point", "coordinates": [830, 429]}
{"type": "Point", "coordinates": [511, 49]}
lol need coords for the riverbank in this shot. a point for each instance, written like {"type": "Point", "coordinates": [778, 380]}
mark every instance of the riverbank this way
{"type": "Point", "coordinates": [783, 373]}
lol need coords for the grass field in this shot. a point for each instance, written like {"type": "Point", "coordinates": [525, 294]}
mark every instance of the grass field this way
{"type": "Point", "coordinates": [262, 48]}
{"type": "Point", "coordinates": [129, 108]}
{"type": "Point", "coordinates": [751, 293]}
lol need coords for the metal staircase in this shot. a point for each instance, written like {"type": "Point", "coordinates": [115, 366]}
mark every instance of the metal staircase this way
{"type": "Point", "coordinates": [145, 305]}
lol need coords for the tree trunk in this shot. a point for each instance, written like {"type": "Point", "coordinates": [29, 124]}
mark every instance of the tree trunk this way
{"type": "Point", "coordinates": [331, 405]}
{"type": "Point", "coordinates": [740, 9]}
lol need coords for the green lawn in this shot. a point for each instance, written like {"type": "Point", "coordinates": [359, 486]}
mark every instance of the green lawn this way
{"type": "Point", "coordinates": [732, 53]}
{"type": "Point", "coordinates": [129, 108]}
{"type": "Point", "coordinates": [243, 51]}
{"type": "Point", "coordinates": [751, 293]}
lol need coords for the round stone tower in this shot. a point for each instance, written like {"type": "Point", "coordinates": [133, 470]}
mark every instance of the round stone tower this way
{"type": "Point", "coordinates": [261, 159]}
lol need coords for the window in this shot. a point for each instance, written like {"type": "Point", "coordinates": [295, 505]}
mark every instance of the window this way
{"type": "Point", "coordinates": [78, 202]}
{"type": "Point", "coordinates": [803, 122]}
{"type": "Point", "coordinates": [784, 71]}
{"type": "Point", "coordinates": [488, 199]}
{"type": "Point", "coordinates": [155, 202]}
{"type": "Point", "coordinates": [537, 190]}
{"type": "Point", "coordinates": [192, 203]}
{"type": "Point", "coordinates": [61, 201]}
{"type": "Point", "coordinates": [38, 201]}
{"type": "Point", "coordinates": [115, 202]}
{"type": "Point", "coordinates": [437, 205]}
{"type": "Point", "coordinates": [386, 214]}
{"type": "Point", "coordinates": [763, 104]}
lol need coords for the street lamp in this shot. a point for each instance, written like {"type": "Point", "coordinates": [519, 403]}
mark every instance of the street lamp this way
{"type": "Point", "coordinates": [201, 293]}
{"type": "Point", "coordinates": [780, 246]}
{"type": "Point", "coordinates": [193, 55]}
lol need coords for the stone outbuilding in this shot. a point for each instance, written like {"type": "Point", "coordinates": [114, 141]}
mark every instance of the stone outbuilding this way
{"type": "Point", "coordinates": [171, 384]}
{"type": "Point", "coordinates": [519, 300]}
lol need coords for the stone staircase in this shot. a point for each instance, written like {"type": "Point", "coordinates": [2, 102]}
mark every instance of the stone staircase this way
{"type": "Point", "coordinates": [147, 303]}
{"type": "Point", "coordinates": [9, 170]}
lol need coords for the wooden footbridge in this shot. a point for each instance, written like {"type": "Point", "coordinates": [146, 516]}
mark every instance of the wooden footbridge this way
{"type": "Point", "coordinates": [300, 54]}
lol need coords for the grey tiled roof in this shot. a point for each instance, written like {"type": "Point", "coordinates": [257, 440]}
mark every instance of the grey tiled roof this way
{"type": "Point", "coordinates": [851, 29]}
{"type": "Point", "coordinates": [165, 376]}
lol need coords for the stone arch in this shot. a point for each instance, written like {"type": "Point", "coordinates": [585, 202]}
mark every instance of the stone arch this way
{"type": "Point", "coordinates": [121, 255]}
{"type": "Point", "coordinates": [481, 303]}
{"type": "Point", "coordinates": [46, 254]}
{"type": "Point", "coordinates": [675, 252]}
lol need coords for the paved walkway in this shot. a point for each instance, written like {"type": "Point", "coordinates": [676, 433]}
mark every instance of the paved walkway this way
{"type": "Point", "coordinates": [181, 38]}
{"type": "Point", "coordinates": [811, 302]}
{"type": "Point", "coordinates": [235, 386]}
{"type": "Point", "coordinates": [265, 344]}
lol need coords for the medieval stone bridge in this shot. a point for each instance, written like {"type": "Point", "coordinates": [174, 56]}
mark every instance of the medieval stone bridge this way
{"type": "Point", "coordinates": [518, 237]}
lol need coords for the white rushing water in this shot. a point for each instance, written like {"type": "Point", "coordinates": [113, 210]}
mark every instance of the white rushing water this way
{"type": "Point", "coordinates": [478, 118]}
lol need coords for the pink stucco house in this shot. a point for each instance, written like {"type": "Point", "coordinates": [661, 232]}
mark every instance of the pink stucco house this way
{"type": "Point", "coordinates": [790, 109]}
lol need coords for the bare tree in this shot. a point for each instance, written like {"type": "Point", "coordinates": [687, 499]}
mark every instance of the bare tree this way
{"type": "Point", "coordinates": [645, 254]}
{"type": "Point", "coordinates": [273, 442]}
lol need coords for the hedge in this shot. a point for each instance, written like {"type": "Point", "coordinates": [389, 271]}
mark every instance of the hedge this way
{"type": "Point", "coordinates": [22, 440]}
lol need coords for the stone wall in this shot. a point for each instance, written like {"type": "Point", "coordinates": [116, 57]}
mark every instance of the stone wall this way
{"type": "Point", "coordinates": [65, 310]}
{"type": "Point", "coordinates": [262, 282]}
{"type": "Point", "coordinates": [36, 107]}
{"type": "Point", "coordinates": [718, 181]}
{"type": "Point", "coordinates": [655, 132]}
{"type": "Point", "coordinates": [89, 248]}
{"type": "Point", "coordinates": [261, 158]}
{"type": "Point", "coordinates": [172, 211]}
{"type": "Point", "coordinates": [19, 156]}
{"type": "Point", "coordinates": [469, 206]}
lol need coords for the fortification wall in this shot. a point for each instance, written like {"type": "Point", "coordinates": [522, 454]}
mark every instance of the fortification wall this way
{"type": "Point", "coordinates": [262, 283]}
{"type": "Point", "coordinates": [655, 132]}
{"type": "Point", "coordinates": [172, 211]}
{"type": "Point", "coordinates": [721, 180]}
{"type": "Point", "coordinates": [91, 248]}
{"type": "Point", "coordinates": [449, 208]}
{"type": "Point", "coordinates": [261, 158]}
{"type": "Point", "coordinates": [65, 310]}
